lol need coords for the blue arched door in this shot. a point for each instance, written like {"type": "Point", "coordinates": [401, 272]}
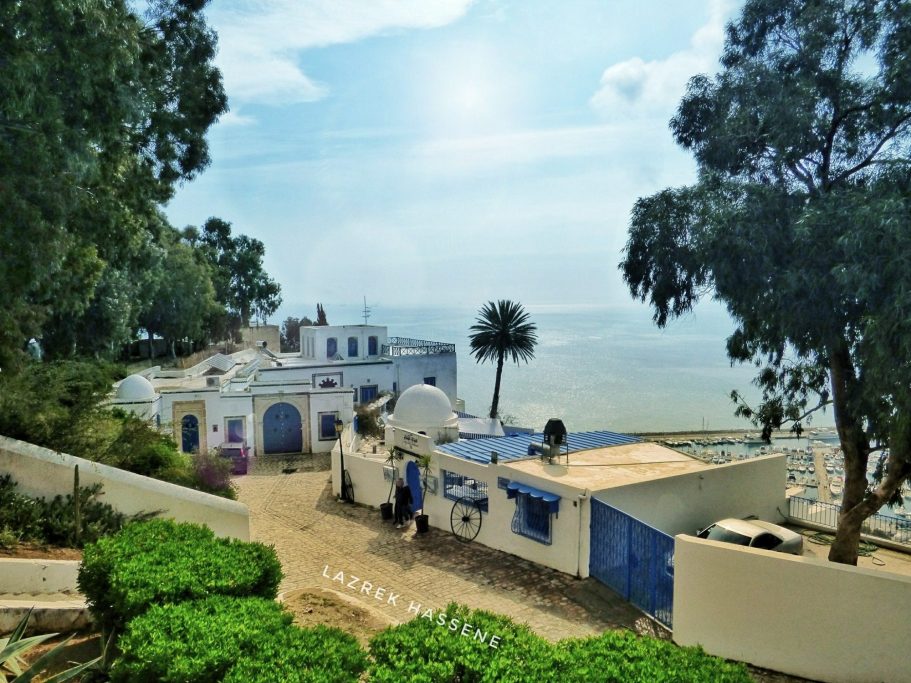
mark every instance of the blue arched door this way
{"type": "Point", "coordinates": [189, 434]}
{"type": "Point", "coordinates": [282, 432]}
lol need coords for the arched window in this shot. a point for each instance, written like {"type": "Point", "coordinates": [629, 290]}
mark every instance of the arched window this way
{"type": "Point", "coordinates": [372, 346]}
{"type": "Point", "coordinates": [352, 347]}
{"type": "Point", "coordinates": [331, 347]}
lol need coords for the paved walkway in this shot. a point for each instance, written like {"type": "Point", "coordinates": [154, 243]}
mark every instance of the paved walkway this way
{"type": "Point", "coordinates": [317, 537]}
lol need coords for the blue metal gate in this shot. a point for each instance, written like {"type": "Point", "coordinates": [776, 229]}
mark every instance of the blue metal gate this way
{"type": "Point", "coordinates": [282, 431]}
{"type": "Point", "coordinates": [634, 559]}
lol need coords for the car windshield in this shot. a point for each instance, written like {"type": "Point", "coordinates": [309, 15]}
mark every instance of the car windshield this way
{"type": "Point", "coordinates": [719, 533]}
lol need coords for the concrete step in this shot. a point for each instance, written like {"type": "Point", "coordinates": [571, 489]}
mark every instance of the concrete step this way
{"type": "Point", "coordinates": [51, 612]}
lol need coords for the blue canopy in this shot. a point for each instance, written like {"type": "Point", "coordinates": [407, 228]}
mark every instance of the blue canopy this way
{"type": "Point", "coordinates": [514, 488]}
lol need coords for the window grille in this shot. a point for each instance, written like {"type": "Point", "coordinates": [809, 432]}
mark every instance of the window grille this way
{"type": "Point", "coordinates": [532, 519]}
{"type": "Point", "coordinates": [457, 486]}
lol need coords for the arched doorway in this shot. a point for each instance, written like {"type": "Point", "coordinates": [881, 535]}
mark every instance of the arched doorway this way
{"type": "Point", "coordinates": [189, 434]}
{"type": "Point", "coordinates": [282, 431]}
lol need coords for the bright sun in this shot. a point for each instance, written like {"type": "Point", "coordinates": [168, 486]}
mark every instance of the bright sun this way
{"type": "Point", "coordinates": [467, 91]}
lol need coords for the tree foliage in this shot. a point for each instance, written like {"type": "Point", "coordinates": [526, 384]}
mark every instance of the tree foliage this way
{"type": "Point", "coordinates": [183, 297]}
{"type": "Point", "coordinates": [799, 223]}
{"type": "Point", "coordinates": [242, 286]}
{"type": "Point", "coordinates": [291, 333]}
{"type": "Point", "coordinates": [502, 330]}
{"type": "Point", "coordinates": [321, 315]}
{"type": "Point", "coordinates": [102, 113]}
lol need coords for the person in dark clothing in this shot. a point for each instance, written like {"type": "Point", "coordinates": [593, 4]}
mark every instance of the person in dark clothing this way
{"type": "Point", "coordinates": [403, 502]}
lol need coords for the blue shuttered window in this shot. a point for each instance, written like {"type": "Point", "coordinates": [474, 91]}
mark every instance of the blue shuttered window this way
{"type": "Point", "coordinates": [532, 518]}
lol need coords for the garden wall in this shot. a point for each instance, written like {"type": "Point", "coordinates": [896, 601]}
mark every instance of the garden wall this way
{"type": "Point", "coordinates": [802, 616]}
{"type": "Point", "coordinates": [43, 472]}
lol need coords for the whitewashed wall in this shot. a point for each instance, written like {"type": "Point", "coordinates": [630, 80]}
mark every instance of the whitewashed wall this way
{"type": "Point", "coordinates": [563, 554]}
{"type": "Point", "coordinates": [43, 472]}
{"type": "Point", "coordinates": [327, 401]}
{"type": "Point", "coordinates": [320, 334]}
{"type": "Point", "coordinates": [411, 370]}
{"type": "Point", "coordinates": [802, 616]}
{"type": "Point", "coordinates": [684, 503]}
{"type": "Point", "coordinates": [353, 375]}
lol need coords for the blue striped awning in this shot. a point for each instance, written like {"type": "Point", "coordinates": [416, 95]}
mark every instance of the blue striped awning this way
{"type": "Point", "coordinates": [514, 488]}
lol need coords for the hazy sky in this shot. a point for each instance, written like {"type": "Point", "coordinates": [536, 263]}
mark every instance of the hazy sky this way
{"type": "Point", "coordinates": [447, 151]}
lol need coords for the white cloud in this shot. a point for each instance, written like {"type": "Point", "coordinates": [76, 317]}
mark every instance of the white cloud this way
{"type": "Point", "coordinates": [636, 88]}
{"type": "Point", "coordinates": [260, 41]}
{"type": "Point", "coordinates": [235, 118]}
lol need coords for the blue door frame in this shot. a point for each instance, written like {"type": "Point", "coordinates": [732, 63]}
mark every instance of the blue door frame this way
{"type": "Point", "coordinates": [634, 559]}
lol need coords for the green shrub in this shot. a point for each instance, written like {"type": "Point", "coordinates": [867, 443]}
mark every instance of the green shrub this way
{"type": "Point", "coordinates": [313, 655]}
{"type": "Point", "coordinates": [212, 474]}
{"type": "Point", "coordinates": [423, 651]}
{"type": "Point", "coordinates": [368, 422]}
{"type": "Point", "coordinates": [53, 522]}
{"type": "Point", "coordinates": [621, 656]}
{"type": "Point", "coordinates": [197, 640]}
{"type": "Point", "coordinates": [161, 561]}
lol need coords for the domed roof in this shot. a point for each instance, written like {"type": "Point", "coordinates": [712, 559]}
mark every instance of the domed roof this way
{"type": "Point", "coordinates": [423, 406]}
{"type": "Point", "coordinates": [135, 388]}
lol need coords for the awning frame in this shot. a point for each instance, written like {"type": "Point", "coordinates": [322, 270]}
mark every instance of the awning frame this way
{"type": "Point", "coordinates": [514, 488]}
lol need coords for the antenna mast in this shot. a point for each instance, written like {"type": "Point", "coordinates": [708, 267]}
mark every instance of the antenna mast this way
{"type": "Point", "coordinates": [366, 312]}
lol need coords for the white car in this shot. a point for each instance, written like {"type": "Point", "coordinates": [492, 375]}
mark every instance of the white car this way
{"type": "Point", "coordinates": [754, 533]}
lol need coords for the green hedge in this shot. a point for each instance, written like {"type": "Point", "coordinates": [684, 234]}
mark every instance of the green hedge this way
{"type": "Point", "coordinates": [312, 655]}
{"type": "Point", "coordinates": [161, 561]}
{"type": "Point", "coordinates": [235, 640]}
{"type": "Point", "coordinates": [424, 651]}
{"type": "Point", "coordinates": [620, 656]}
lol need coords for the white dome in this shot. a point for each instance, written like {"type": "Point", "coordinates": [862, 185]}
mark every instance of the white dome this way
{"type": "Point", "coordinates": [135, 388]}
{"type": "Point", "coordinates": [423, 407]}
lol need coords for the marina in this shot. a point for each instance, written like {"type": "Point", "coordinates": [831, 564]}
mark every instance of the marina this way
{"type": "Point", "coordinates": [815, 465]}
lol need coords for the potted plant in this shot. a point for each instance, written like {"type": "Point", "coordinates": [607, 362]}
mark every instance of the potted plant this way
{"type": "Point", "coordinates": [386, 508]}
{"type": "Point", "coordinates": [422, 521]}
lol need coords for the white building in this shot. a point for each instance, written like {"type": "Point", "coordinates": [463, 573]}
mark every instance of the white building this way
{"type": "Point", "coordinates": [286, 403]}
{"type": "Point", "coordinates": [546, 509]}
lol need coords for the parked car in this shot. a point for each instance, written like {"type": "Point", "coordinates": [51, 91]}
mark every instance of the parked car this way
{"type": "Point", "coordinates": [754, 533]}
{"type": "Point", "coordinates": [238, 453]}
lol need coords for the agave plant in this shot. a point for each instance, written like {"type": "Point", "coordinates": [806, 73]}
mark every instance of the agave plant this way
{"type": "Point", "coordinates": [14, 647]}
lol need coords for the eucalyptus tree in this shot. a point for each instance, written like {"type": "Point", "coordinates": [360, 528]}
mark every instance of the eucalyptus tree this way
{"type": "Point", "coordinates": [800, 222]}
{"type": "Point", "coordinates": [502, 330]}
{"type": "Point", "coordinates": [103, 110]}
{"type": "Point", "coordinates": [242, 285]}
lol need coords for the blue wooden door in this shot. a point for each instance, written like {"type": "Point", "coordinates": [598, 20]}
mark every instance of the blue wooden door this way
{"type": "Point", "coordinates": [282, 430]}
{"type": "Point", "coordinates": [413, 479]}
{"type": "Point", "coordinates": [189, 434]}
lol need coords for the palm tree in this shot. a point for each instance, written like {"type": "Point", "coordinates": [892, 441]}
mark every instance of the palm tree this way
{"type": "Point", "coordinates": [502, 330]}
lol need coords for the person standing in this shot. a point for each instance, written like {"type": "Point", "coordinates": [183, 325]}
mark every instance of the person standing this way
{"type": "Point", "coordinates": [403, 502]}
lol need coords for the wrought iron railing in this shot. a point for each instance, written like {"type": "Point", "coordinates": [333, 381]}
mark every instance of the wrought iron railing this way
{"type": "Point", "coordinates": [405, 346]}
{"type": "Point", "coordinates": [826, 515]}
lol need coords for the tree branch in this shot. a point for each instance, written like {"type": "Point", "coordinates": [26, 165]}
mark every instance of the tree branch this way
{"type": "Point", "coordinates": [872, 155]}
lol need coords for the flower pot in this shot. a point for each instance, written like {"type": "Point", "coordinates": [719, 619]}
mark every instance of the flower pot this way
{"type": "Point", "coordinates": [386, 511]}
{"type": "Point", "coordinates": [422, 524]}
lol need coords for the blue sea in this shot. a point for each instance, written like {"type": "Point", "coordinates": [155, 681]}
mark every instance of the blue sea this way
{"type": "Point", "coordinates": [595, 367]}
